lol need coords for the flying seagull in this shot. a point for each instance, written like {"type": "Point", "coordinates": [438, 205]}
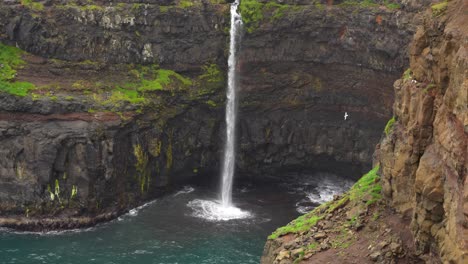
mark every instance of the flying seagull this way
{"type": "Point", "coordinates": [345, 115]}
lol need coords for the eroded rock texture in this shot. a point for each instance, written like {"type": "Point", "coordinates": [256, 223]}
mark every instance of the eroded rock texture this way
{"type": "Point", "coordinates": [424, 158]}
{"type": "Point", "coordinates": [139, 32]}
{"type": "Point", "coordinates": [114, 162]}
{"type": "Point", "coordinates": [299, 74]}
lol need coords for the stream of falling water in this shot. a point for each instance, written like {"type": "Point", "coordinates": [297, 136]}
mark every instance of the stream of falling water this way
{"type": "Point", "coordinates": [224, 209]}
{"type": "Point", "coordinates": [231, 110]}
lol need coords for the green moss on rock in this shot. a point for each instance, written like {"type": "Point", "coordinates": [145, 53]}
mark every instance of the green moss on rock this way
{"type": "Point", "coordinates": [439, 8]}
{"type": "Point", "coordinates": [143, 176]}
{"type": "Point", "coordinates": [254, 11]}
{"type": "Point", "coordinates": [389, 126]}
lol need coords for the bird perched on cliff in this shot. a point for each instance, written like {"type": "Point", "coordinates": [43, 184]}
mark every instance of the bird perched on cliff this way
{"type": "Point", "coordinates": [346, 115]}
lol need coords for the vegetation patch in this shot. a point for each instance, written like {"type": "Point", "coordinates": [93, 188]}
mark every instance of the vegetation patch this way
{"type": "Point", "coordinates": [143, 176]}
{"type": "Point", "coordinates": [185, 3]}
{"type": "Point", "coordinates": [357, 3]}
{"type": "Point", "coordinates": [364, 192]}
{"type": "Point", "coordinates": [439, 8]}
{"type": "Point", "coordinates": [370, 4]}
{"type": "Point", "coordinates": [120, 94]}
{"type": "Point", "coordinates": [210, 80]}
{"type": "Point", "coordinates": [36, 6]}
{"type": "Point", "coordinates": [430, 87]}
{"type": "Point", "coordinates": [145, 81]}
{"type": "Point", "coordinates": [253, 12]}
{"type": "Point", "coordinates": [162, 79]}
{"type": "Point", "coordinates": [10, 61]}
{"type": "Point", "coordinates": [407, 75]}
{"type": "Point", "coordinates": [392, 6]}
{"type": "Point", "coordinates": [389, 126]}
{"type": "Point", "coordinates": [367, 189]}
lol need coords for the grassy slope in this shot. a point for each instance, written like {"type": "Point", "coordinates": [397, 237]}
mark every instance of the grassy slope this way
{"type": "Point", "coordinates": [10, 62]}
{"type": "Point", "coordinates": [368, 188]}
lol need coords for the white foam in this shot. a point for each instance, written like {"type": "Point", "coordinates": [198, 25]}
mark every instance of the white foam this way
{"type": "Point", "coordinates": [326, 189]}
{"type": "Point", "coordinates": [185, 190]}
{"type": "Point", "coordinates": [134, 211]}
{"type": "Point", "coordinates": [48, 233]}
{"type": "Point", "coordinates": [215, 211]}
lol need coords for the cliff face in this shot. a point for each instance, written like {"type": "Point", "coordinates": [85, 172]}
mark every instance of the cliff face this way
{"type": "Point", "coordinates": [93, 125]}
{"type": "Point", "coordinates": [422, 163]}
{"type": "Point", "coordinates": [161, 32]}
{"type": "Point", "coordinates": [424, 158]}
{"type": "Point", "coordinates": [86, 143]}
{"type": "Point", "coordinates": [301, 72]}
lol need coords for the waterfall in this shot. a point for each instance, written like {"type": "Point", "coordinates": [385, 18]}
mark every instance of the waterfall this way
{"type": "Point", "coordinates": [224, 210]}
{"type": "Point", "coordinates": [231, 109]}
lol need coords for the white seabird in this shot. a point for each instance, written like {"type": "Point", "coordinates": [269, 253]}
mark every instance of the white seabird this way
{"type": "Point", "coordinates": [345, 115]}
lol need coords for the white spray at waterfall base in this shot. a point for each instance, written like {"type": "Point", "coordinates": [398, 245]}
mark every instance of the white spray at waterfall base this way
{"type": "Point", "coordinates": [224, 210]}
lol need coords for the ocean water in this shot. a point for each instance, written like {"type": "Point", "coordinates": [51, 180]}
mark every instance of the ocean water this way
{"type": "Point", "coordinates": [168, 230]}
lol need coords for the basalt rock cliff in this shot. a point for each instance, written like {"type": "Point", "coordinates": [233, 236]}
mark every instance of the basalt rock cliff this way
{"type": "Point", "coordinates": [74, 149]}
{"type": "Point", "coordinates": [424, 157]}
{"type": "Point", "coordinates": [92, 140]}
{"type": "Point", "coordinates": [420, 168]}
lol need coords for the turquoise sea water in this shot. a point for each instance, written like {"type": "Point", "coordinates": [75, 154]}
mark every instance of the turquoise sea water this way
{"type": "Point", "coordinates": [164, 231]}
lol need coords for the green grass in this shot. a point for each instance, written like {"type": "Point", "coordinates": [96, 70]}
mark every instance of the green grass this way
{"type": "Point", "coordinates": [212, 79]}
{"type": "Point", "coordinates": [407, 75]}
{"type": "Point", "coordinates": [343, 240]}
{"type": "Point", "coordinates": [389, 126]}
{"type": "Point", "coordinates": [370, 4]}
{"type": "Point", "coordinates": [429, 87]}
{"type": "Point", "coordinates": [439, 9]}
{"type": "Point", "coordinates": [368, 187]}
{"type": "Point", "coordinates": [120, 94]}
{"type": "Point", "coordinates": [211, 103]}
{"type": "Point", "coordinates": [163, 79]}
{"type": "Point", "coordinates": [253, 12]}
{"type": "Point", "coordinates": [392, 6]}
{"type": "Point", "coordinates": [36, 6]}
{"type": "Point", "coordinates": [164, 9]}
{"type": "Point", "coordinates": [185, 3]}
{"type": "Point", "coordinates": [313, 245]}
{"type": "Point", "coordinates": [212, 74]}
{"type": "Point", "coordinates": [356, 3]}
{"type": "Point", "coordinates": [10, 61]}
{"type": "Point", "coordinates": [147, 79]}
{"type": "Point", "coordinates": [16, 88]}
{"type": "Point", "coordinates": [301, 224]}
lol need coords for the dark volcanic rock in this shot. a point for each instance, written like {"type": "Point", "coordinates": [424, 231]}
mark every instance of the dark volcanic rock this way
{"type": "Point", "coordinates": [299, 74]}
{"type": "Point", "coordinates": [129, 33]}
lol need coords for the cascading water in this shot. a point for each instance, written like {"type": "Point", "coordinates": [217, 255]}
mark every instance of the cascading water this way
{"type": "Point", "coordinates": [231, 109]}
{"type": "Point", "coordinates": [224, 210]}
